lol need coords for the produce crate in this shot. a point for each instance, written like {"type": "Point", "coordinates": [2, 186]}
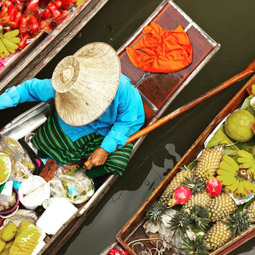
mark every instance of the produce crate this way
{"type": "Point", "coordinates": [133, 229]}
{"type": "Point", "coordinates": [26, 63]}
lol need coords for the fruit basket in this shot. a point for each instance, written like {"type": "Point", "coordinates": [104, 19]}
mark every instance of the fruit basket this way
{"type": "Point", "coordinates": [22, 21]}
{"type": "Point", "coordinates": [34, 30]}
{"type": "Point", "coordinates": [205, 205]}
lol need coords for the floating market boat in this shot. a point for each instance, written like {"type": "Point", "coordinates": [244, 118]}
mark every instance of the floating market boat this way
{"type": "Point", "coordinates": [144, 234]}
{"type": "Point", "coordinates": [26, 63]}
{"type": "Point", "coordinates": [157, 90]}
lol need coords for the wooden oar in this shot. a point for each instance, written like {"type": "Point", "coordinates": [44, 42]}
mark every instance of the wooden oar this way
{"type": "Point", "coordinates": [249, 70]}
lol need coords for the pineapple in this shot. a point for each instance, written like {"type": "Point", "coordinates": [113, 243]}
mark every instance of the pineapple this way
{"type": "Point", "coordinates": [180, 222]}
{"type": "Point", "coordinates": [217, 236]}
{"type": "Point", "coordinates": [174, 184]}
{"type": "Point", "coordinates": [194, 184]}
{"type": "Point", "coordinates": [221, 206]}
{"type": "Point", "coordinates": [155, 211]}
{"type": "Point", "coordinates": [200, 217]}
{"type": "Point", "coordinates": [251, 212]}
{"type": "Point", "coordinates": [222, 231]}
{"type": "Point", "coordinates": [193, 247]}
{"type": "Point", "coordinates": [203, 199]}
{"type": "Point", "coordinates": [208, 163]}
{"type": "Point", "coordinates": [238, 222]}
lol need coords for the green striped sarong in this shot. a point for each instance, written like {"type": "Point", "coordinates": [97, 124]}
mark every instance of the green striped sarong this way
{"type": "Point", "coordinates": [51, 142]}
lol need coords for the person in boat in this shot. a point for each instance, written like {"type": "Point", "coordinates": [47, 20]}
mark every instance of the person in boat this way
{"type": "Point", "coordinates": [97, 109]}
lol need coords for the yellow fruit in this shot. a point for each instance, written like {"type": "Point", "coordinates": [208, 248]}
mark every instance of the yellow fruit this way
{"type": "Point", "coordinates": [79, 2]}
{"type": "Point", "coordinates": [10, 46]}
{"type": "Point", "coordinates": [2, 245]}
{"type": "Point", "coordinates": [228, 164]}
{"type": "Point", "coordinates": [1, 232]}
{"type": "Point", "coordinates": [9, 232]}
{"type": "Point", "coordinates": [3, 51]}
{"type": "Point", "coordinates": [24, 225]}
{"type": "Point", "coordinates": [208, 163]}
{"type": "Point", "coordinates": [9, 245]}
{"type": "Point", "coordinates": [6, 251]}
{"type": "Point", "coordinates": [238, 125]}
{"type": "Point", "coordinates": [12, 33]}
{"type": "Point", "coordinates": [21, 245]}
{"type": "Point", "coordinates": [5, 167]}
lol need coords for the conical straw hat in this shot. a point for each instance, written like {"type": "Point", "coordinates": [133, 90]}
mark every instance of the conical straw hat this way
{"type": "Point", "coordinates": [86, 83]}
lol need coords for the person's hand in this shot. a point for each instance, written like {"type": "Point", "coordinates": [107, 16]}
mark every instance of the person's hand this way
{"type": "Point", "coordinates": [97, 157]}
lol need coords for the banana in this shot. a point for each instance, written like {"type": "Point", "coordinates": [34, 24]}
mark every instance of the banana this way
{"type": "Point", "coordinates": [226, 180]}
{"type": "Point", "coordinates": [240, 192]}
{"type": "Point", "coordinates": [3, 50]}
{"type": "Point", "coordinates": [14, 39]}
{"type": "Point", "coordinates": [244, 160]}
{"type": "Point", "coordinates": [244, 154]}
{"type": "Point", "coordinates": [11, 47]}
{"type": "Point", "coordinates": [229, 164]}
{"type": "Point", "coordinates": [249, 187]}
{"type": "Point", "coordinates": [247, 165]}
{"type": "Point", "coordinates": [253, 89]}
{"type": "Point", "coordinates": [251, 171]}
{"type": "Point", "coordinates": [232, 187]}
{"type": "Point", "coordinates": [224, 172]}
{"type": "Point", "coordinates": [12, 33]}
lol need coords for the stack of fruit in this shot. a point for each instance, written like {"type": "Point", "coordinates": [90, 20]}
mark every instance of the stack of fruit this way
{"type": "Point", "coordinates": [19, 240]}
{"type": "Point", "coordinates": [26, 19]}
{"type": "Point", "coordinates": [210, 201]}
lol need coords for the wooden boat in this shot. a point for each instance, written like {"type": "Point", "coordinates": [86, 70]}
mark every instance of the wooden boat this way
{"type": "Point", "coordinates": [28, 62]}
{"type": "Point", "coordinates": [157, 90]}
{"type": "Point", "coordinates": [133, 229]}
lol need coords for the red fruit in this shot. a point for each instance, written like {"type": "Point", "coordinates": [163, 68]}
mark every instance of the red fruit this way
{"type": "Point", "coordinates": [23, 26]}
{"type": "Point", "coordinates": [253, 128]}
{"type": "Point", "coordinates": [20, 6]}
{"type": "Point", "coordinates": [213, 186]}
{"type": "Point", "coordinates": [54, 11]}
{"type": "Point", "coordinates": [43, 3]}
{"type": "Point", "coordinates": [22, 44]}
{"type": "Point", "coordinates": [58, 4]}
{"type": "Point", "coordinates": [63, 16]}
{"type": "Point", "coordinates": [33, 5]}
{"type": "Point", "coordinates": [181, 195]}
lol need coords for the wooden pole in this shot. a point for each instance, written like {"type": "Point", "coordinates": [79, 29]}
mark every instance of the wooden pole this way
{"type": "Point", "coordinates": [249, 70]}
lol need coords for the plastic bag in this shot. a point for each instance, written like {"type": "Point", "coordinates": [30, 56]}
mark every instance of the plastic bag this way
{"type": "Point", "coordinates": [73, 185]}
{"type": "Point", "coordinates": [21, 164]}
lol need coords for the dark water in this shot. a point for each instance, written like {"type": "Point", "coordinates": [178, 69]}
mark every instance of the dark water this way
{"type": "Point", "coordinates": [229, 22]}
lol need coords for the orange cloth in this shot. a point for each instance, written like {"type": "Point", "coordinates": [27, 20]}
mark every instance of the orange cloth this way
{"type": "Point", "coordinates": [164, 51]}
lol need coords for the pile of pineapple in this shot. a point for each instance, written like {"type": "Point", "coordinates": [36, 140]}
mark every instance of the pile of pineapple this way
{"type": "Point", "coordinates": [211, 216]}
{"type": "Point", "coordinates": [210, 201]}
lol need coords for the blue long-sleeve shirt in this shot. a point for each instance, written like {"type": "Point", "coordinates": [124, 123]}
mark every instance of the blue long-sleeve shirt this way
{"type": "Point", "coordinates": [124, 116]}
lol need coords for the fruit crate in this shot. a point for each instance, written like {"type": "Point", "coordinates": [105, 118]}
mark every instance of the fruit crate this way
{"type": "Point", "coordinates": [133, 237]}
